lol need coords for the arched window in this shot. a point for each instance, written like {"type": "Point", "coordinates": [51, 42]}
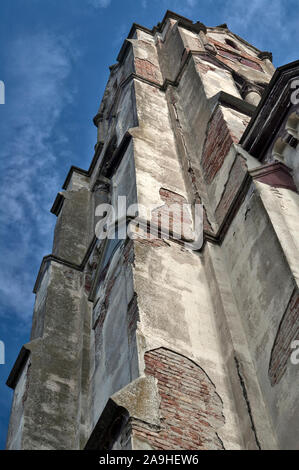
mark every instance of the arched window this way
{"type": "Point", "coordinates": [292, 125]}
{"type": "Point", "coordinates": [232, 44]}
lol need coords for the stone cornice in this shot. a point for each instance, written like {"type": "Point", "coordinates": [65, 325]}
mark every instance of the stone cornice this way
{"type": "Point", "coordinates": [182, 20]}
{"type": "Point", "coordinates": [18, 368]}
{"type": "Point", "coordinates": [233, 102]}
{"type": "Point", "coordinates": [276, 174]}
{"type": "Point", "coordinates": [52, 258]}
{"type": "Point", "coordinates": [58, 203]}
{"type": "Point", "coordinates": [76, 169]}
{"type": "Point", "coordinates": [187, 24]}
{"type": "Point", "coordinates": [265, 55]}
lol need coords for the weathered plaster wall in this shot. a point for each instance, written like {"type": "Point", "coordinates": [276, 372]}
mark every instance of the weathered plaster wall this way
{"type": "Point", "coordinates": [73, 230]}
{"type": "Point", "coordinates": [53, 381]}
{"type": "Point", "coordinates": [114, 325]}
{"type": "Point", "coordinates": [16, 425]}
{"type": "Point", "coordinates": [180, 317]}
{"type": "Point", "coordinates": [143, 343]}
{"type": "Point", "coordinates": [263, 285]}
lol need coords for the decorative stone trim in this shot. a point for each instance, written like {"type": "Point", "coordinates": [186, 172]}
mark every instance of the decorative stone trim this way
{"type": "Point", "coordinates": [276, 174]}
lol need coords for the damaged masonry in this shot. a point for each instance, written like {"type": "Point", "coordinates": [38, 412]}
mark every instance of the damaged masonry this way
{"type": "Point", "coordinates": [142, 343]}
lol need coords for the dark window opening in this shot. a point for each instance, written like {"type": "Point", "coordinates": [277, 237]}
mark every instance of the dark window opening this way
{"type": "Point", "coordinates": [232, 44]}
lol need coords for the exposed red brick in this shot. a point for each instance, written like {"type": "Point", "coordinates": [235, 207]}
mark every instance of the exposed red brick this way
{"type": "Point", "coordinates": [250, 63]}
{"type": "Point", "coordinates": [233, 57]}
{"type": "Point", "coordinates": [275, 174]}
{"type": "Point", "coordinates": [155, 242]}
{"type": "Point", "coordinates": [288, 331]}
{"type": "Point", "coordinates": [238, 55]}
{"type": "Point", "coordinates": [229, 55]}
{"type": "Point", "coordinates": [206, 223]}
{"type": "Point", "coordinates": [191, 410]}
{"type": "Point", "coordinates": [217, 145]}
{"type": "Point", "coordinates": [170, 197]}
{"type": "Point", "coordinates": [173, 216]}
{"type": "Point", "coordinates": [146, 69]}
{"type": "Point", "coordinates": [204, 68]}
{"type": "Point", "coordinates": [233, 184]}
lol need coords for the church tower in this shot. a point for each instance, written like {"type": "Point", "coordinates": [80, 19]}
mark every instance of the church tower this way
{"type": "Point", "coordinates": [173, 341]}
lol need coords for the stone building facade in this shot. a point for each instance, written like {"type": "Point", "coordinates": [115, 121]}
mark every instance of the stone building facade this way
{"type": "Point", "coordinates": [142, 342]}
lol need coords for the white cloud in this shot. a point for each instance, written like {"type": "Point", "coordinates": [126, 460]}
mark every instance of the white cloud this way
{"type": "Point", "coordinates": [39, 68]}
{"type": "Point", "coordinates": [99, 3]}
{"type": "Point", "coordinates": [182, 7]}
{"type": "Point", "coordinates": [259, 21]}
{"type": "Point", "coordinates": [264, 23]}
{"type": "Point", "coordinates": [257, 18]}
{"type": "Point", "coordinates": [192, 3]}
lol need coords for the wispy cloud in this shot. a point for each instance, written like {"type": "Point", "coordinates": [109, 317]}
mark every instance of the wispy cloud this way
{"type": "Point", "coordinates": [99, 3]}
{"type": "Point", "coordinates": [182, 7]}
{"type": "Point", "coordinates": [192, 3]}
{"type": "Point", "coordinates": [260, 13]}
{"type": "Point", "coordinates": [261, 22]}
{"type": "Point", "coordinates": [39, 68]}
{"type": "Point", "coordinates": [264, 21]}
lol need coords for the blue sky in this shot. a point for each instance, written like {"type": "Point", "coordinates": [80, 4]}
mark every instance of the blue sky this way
{"type": "Point", "coordinates": [54, 58]}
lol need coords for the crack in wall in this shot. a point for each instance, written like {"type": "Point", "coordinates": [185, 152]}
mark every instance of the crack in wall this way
{"type": "Point", "coordinates": [190, 170]}
{"type": "Point", "coordinates": [245, 395]}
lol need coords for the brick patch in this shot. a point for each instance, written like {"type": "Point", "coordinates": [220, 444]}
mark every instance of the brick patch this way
{"type": "Point", "coordinates": [288, 331]}
{"type": "Point", "coordinates": [191, 410]}
{"type": "Point", "coordinates": [149, 241]}
{"type": "Point", "coordinates": [146, 69]}
{"type": "Point", "coordinates": [206, 223]}
{"type": "Point", "coordinates": [178, 220]}
{"type": "Point", "coordinates": [238, 55]}
{"type": "Point", "coordinates": [250, 63]}
{"type": "Point", "coordinates": [204, 68]}
{"type": "Point", "coordinates": [217, 145]}
{"type": "Point", "coordinates": [233, 184]}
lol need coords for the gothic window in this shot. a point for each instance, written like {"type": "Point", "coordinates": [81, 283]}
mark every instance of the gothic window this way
{"type": "Point", "coordinates": [292, 125]}
{"type": "Point", "coordinates": [232, 44]}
